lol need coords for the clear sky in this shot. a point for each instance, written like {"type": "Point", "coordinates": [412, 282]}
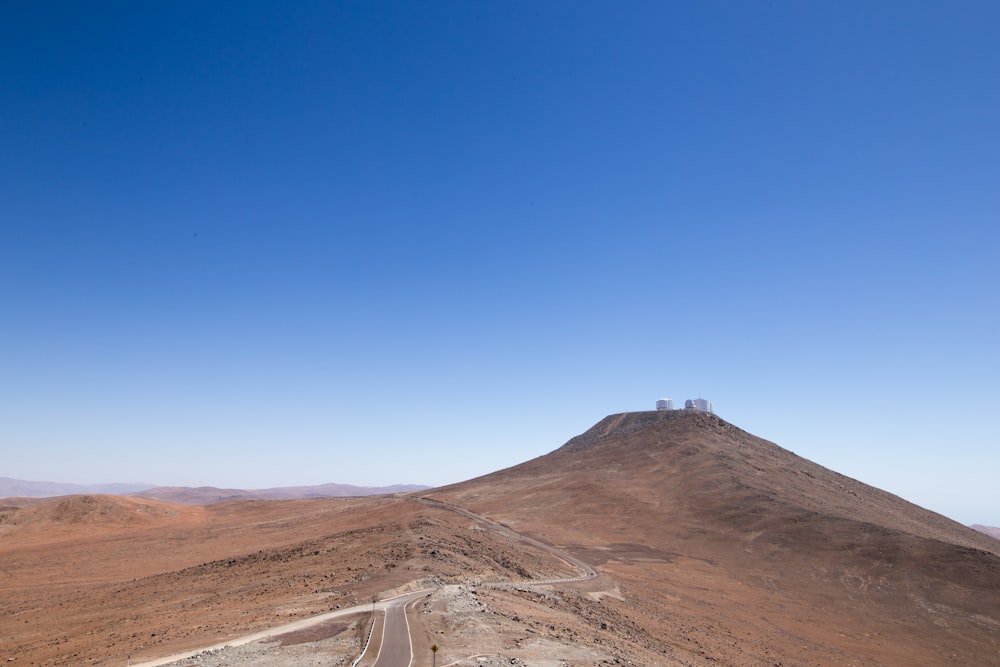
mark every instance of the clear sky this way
{"type": "Point", "coordinates": [258, 244]}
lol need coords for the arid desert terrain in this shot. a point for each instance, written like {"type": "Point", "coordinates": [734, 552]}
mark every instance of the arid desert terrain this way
{"type": "Point", "coordinates": [654, 538]}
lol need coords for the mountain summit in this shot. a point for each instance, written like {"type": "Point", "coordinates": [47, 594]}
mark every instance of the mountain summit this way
{"type": "Point", "coordinates": [700, 470]}
{"type": "Point", "coordinates": [724, 535]}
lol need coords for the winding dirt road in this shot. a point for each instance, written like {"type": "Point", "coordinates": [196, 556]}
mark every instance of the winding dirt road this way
{"type": "Point", "coordinates": [588, 571]}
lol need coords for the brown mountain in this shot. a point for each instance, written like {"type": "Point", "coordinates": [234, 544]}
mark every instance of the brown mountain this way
{"type": "Point", "coordinates": [712, 547]}
{"type": "Point", "coordinates": [735, 548]}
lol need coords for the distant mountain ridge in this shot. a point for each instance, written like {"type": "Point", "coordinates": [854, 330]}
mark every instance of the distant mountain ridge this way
{"type": "Point", "coordinates": [17, 488]}
{"type": "Point", "coordinates": [992, 531]}
{"type": "Point", "coordinates": [206, 495]}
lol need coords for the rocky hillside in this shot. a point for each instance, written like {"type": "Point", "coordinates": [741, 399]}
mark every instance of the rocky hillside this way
{"type": "Point", "coordinates": [695, 516]}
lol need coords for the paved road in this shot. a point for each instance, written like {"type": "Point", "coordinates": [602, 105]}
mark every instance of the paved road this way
{"type": "Point", "coordinates": [396, 649]}
{"type": "Point", "coordinates": [384, 605]}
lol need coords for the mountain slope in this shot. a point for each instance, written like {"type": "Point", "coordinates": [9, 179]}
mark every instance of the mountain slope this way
{"type": "Point", "coordinates": [90, 516]}
{"type": "Point", "coordinates": [783, 552]}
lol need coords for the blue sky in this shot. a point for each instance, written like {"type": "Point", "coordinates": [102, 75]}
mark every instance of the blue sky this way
{"type": "Point", "coordinates": [259, 244]}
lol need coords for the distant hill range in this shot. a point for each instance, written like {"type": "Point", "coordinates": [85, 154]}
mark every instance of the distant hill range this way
{"type": "Point", "coordinates": [19, 488]}
{"type": "Point", "coordinates": [992, 531]}
{"type": "Point", "coordinates": [204, 495]}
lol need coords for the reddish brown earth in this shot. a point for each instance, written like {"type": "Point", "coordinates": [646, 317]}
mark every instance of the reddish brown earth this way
{"type": "Point", "coordinates": [713, 547]}
{"type": "Point", "coordinates": [730, 549]}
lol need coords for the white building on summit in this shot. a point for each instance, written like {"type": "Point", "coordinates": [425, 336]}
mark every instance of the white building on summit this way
{"type": "Point", "coordinates": [699, 404]}
{"type": "Point", "coordinates": [665, 404]}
